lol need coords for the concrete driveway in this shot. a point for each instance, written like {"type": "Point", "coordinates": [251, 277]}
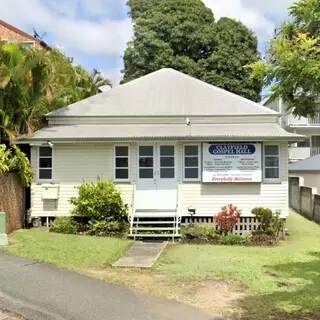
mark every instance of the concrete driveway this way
{"type": "Point", "coordinates": [42, 292]}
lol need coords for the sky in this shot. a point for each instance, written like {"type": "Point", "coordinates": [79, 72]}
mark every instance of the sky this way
{"type": "Point", "coordinates": [95, 32]}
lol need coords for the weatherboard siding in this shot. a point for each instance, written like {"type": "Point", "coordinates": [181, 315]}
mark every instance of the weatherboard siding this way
{"type": "Point", "coordinates": [75, 164]}
{"type": "Point", "coordinates": [208, 198]}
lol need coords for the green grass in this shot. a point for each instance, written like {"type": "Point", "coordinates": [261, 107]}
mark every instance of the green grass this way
{"type": "Point", "coordinates": [67, 251]}
{"type": "Point", "coordinates": [280, 282]}
{"type": "Point", "coordinates": [283, 280]}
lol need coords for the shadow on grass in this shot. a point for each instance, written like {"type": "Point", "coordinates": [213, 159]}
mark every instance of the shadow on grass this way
{"type": "Point", "coordinates": [298, 296]}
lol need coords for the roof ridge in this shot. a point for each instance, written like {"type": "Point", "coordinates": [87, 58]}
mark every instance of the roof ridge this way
{"type": "Point", "coordinates": [165, 92]}
{"type": "Point", "coordinates": [222, 90]}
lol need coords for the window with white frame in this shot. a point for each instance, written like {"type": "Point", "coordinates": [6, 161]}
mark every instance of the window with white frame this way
{"type": "Point", "coordinates": [121, 163]}
{"type": "Point", "coordinates": [45, 163]}
{"type": "Point", "coordinates": [271, 162]}
{"type": "Point", "coordinates": [191, 162]}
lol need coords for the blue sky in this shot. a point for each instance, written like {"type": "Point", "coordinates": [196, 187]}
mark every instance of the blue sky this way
{"type": "Point", "coordinates": [95, 32]}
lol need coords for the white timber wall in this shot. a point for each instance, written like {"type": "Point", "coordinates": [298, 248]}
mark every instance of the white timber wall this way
{"type": "Point", "coordinates": [208, 198]}
{"type": "Point", "coordinates": [74, 164]}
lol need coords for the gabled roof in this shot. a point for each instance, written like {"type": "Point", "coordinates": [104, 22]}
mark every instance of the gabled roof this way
{"type": "Point", "coordinates": [165, 92]}
{"type": "Point", "coordinates": [22, 33]}
{"type": "Point", "coordinates": [225, 132]}
{"type": "Point", "coordinates": [309, 164]}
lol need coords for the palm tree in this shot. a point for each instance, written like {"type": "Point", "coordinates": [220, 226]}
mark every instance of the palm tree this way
{"type": "Point", "coordinates": [34, 82]}
{"type": "Point", "coordinates": [98, 80]}
{"type": "Point", "coordinates": [24, 81]}
{"type": "Point", "coordinates": [88, 83]}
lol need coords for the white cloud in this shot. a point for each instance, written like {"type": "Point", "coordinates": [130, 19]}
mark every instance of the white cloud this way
{"type": "Point", "coordinates": [89, 27]}
{"type": "Point", "coordinates": [253, 13]}
{"type": "Point", "coordinates": [104, 36]}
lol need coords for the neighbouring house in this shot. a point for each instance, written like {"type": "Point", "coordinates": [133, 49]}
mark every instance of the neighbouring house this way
{"type": "Point", "coordinates": [309, 127]}
{"type": "Point", "coordinates": [12, 34]}
{"type": "Point", "coordinates": [307, 169]}
{"type": "Point", "coordinates": [174, 145]}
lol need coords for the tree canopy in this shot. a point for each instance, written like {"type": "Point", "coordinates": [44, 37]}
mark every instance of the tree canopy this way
{"type": "Point", "coordinates": [183, 35]}
{"type": "Point", "coordinates": [34, 82]}
{"type": "Point", "coordinates": [292, 63]}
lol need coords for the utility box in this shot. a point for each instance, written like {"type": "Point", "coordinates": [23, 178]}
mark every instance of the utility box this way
{"type": "Point", "coordinates": [3, 235]}
{"type": "Point", "coordinates": [50, 192]}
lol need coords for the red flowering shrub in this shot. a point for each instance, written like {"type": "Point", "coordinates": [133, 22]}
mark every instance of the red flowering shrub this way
{"type": "Point", "coordinates": [227, 218]}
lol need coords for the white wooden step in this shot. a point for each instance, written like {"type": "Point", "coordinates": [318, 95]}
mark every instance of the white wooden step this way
{"type": "Point", "coordinates": [154, 222]}
{"type": "Point", "coordinates": [162, 235]}
{"type": "Point", "coordinates": [153, 228]}
{"type": "Point", "coordinates": [154, 214]}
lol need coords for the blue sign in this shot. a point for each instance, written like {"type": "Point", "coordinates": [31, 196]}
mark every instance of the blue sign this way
{"type": "Point", "coordinates": [232, 149]}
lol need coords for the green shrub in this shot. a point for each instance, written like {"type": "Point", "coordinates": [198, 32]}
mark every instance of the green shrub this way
{"type": "Point", "coordinates": [270, 222]}
{"type": "Point", "coordinates": [65, 225]}
{"type": "Point", "coordinates": [15, 160]}
{"type": "Point", "coordinates": [100, 201]}
{"type": "Point", "coordinates": [105, 228]}
{"type": "Point", "coordinates": [199, 233]}
{"type": "Point", "coordinates": [232, 239]}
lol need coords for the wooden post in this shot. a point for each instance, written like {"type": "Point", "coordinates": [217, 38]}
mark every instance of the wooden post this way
{"type": "Point", "coordinates": [3, 235]}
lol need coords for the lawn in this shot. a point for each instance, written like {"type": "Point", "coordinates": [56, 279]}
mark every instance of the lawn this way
{"type": "Point", "coordinates": [67, 251]}
{"type": "Point", "coordinates": [258, 283]}
{"type": "Point", "coordinates": [284, 280]}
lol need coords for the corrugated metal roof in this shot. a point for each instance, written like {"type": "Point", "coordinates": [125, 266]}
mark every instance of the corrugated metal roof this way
{"type": "Point", "coordinates": [165, 92]}
{"type": "Point", "coordinates": [167, 131]}
{"type": "Point", "coordinates": [309, 164]}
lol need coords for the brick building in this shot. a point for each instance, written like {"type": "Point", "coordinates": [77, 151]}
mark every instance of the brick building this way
{"type": "Point", "coordinates": [12, 34]}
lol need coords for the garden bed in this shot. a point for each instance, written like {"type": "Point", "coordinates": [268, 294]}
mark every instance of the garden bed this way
{"type": "Point", "coordinates": [268, 233]}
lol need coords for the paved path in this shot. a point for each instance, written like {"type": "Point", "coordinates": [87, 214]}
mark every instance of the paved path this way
{"type": "Point", "coordinates": [141, 255]}
{"type": "Point", "coordinates": [42, 292]}
{"type": "Point", "coordinates": [8, 316]}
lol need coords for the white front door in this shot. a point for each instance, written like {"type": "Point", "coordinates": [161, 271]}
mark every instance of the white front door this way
{"type": "Point", "coordinates": [156, 177]}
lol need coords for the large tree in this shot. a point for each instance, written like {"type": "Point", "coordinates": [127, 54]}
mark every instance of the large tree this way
{"type": "Point", "coordinates": [183, 34]}
{"type": "Point", "coordinates": [34, 82]}
{"type": "Point", "coordinates": [292, 64]}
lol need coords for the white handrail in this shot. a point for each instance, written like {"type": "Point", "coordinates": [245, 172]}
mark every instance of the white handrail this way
{"type": "Point", "coordinates": [133, 209]}
{"type": "Point", "coordinates": [178, 216]}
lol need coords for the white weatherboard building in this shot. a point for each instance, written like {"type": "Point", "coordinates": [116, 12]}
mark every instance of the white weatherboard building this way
{"type": "Point", "coordinates": [310, 127]}
{"type": "Point", "coordinates": [171, 143]}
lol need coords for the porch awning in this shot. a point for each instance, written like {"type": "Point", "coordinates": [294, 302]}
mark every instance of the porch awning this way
{"type": "Point", "coordinates": [113, 132]}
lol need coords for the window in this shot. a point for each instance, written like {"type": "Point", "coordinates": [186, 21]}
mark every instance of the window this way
{"type": "Point", "coordinates": [45, 163]}
{"type": "Point", "coordinates": [191, 163]}
{"type": "Point", "coordinates": [121, 163]}
{"type": "Point", "coordinates": [271, 162]}
{"type": "Point", "coordinates": [167, 162]}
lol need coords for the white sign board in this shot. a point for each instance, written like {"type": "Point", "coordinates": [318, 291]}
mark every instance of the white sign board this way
{"type": "Point", "coordinates": [234, 162]}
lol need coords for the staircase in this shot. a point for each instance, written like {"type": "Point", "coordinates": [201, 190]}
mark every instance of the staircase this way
{"type": "Point", "coordinates": [154, 223]}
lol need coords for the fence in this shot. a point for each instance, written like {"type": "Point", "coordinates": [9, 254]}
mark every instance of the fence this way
{"type": "Point", "coordinates": [304, 200]}
{"type": "Point", "coordinates": [245, 225]}
{"type": "Point", "coordinates": [12, 201]}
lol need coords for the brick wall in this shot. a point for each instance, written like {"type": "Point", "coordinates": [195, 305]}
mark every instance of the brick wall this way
{"type": "Point", "coordinates": [12, 201]}
{"type": "Point", "coordinates": [12, 36]}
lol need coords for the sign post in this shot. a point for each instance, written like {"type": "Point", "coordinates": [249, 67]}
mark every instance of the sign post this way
{"type": "Point", "coordinates": [232, 163]}
{"type": "Point", "coordinates": [3, 235]}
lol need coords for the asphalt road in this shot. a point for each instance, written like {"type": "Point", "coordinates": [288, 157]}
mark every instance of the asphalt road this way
{"type": "Point", "coordinates": [42, 292]}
